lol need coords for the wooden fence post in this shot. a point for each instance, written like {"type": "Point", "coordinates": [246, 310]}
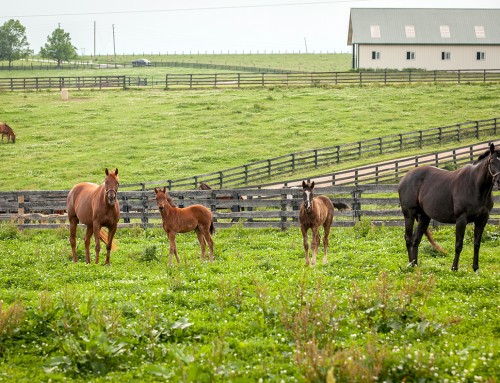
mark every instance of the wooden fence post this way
{"type": "Point", "coordinates": [20, 210]}
{"type": "Point", "coordinates": [356, 204]}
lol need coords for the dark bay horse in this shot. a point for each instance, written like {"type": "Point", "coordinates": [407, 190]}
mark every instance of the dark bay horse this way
{"type": "Point", "coordinates": [6, 130]}
{"type": "Point", "coordinates": [182, 220]}
{"type": "Point", "coordinates": [96, 206]}
{"type": "Point", "coordinates": [314, 212]}
{"type": "Point", "coordinates": [460, 197]}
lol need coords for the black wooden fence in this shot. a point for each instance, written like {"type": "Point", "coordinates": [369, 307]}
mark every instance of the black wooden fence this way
{"type": "Point", "coordinates": [249, 80]}
{"type": "Point", "coordinates": [79, 82]}
{"type": "Point", "coordinates": [256, 173]}
{"type": "Point", "coordinates": [257, 208]}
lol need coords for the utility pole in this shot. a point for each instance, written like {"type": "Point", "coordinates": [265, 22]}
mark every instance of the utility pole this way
{"type": "Point", "coordinates": [95, 53]}
{"type": "Point", "coordinates": [305, 43]}
{"type": "Point", "coordinates": [114, 45]}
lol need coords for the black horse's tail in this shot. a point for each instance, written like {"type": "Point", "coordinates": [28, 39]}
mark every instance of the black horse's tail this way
{"type": "Point", "coordinates": [212, 227]}
{"type": "Point", "coordinates": [341, 206]}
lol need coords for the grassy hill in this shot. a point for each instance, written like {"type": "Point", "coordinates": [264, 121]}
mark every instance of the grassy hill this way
{"type": "Point", "coordinates": [150, 134]}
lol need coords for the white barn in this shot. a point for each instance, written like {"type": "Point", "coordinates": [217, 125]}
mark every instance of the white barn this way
{"type": "Point", "coordinates": [430, 39]}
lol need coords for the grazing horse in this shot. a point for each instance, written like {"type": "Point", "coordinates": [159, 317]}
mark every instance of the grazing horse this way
{"type": "Point", "coordinates": [460, 197]}
{"type": "Point", "coordinates": [183, 220]}
{"type": "Point", "coordinates": [6, 130]}
{"type": "Point", "coordinates": [95, 206]}
{"type": "Point", "coordinates": [314, 212]}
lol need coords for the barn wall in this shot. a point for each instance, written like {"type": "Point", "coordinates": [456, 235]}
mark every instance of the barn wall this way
{"type": "Point", "coordinates": [429, 57]}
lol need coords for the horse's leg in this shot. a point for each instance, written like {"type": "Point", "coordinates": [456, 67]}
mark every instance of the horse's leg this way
{"type": "Point", "coordinates": [478, 233]}
{"type": "Point", "coordinates": [460, 226]}
{"type": "Point", "coordinates": [111, 234]}
{"type": "Point", "coordinates": [305, 240]}
{"type": "Point", "coordinates": [423, 224]}
{"type": "Point", "coordinates": [327, 225]}
{"type": "Point", "coordinates": [314, 244]}
{"type": "Point", "coordinates": [201, 240]}
{"type": "Point", "coordinates": [210, 242]}
{"type": "Point", "coordinates": [409, 222]}
{"type": "Point", "coordinates": [173, 247]}
{"type": "Point", "coordinates": [73, 222]}
{"type": "Point", "coordinates": [88, 235]}
{"type": "Point", "coordinates": [97, 237]}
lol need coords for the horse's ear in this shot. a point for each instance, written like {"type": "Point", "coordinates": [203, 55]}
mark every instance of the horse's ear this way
{"type": "Point", "coordinates": [156, 191]}
{"type": "Point", "coordinates": [164, 189]}
{"type": "Point", "coordinates": [492, 148]}
{"type": "Point", "coordinates": [107, 172]}
{"type": "Point", "coordinates": [312, 185]}
{"type": "Point", "coordinates": [304, 184]}
{"type": "Point", "coordinates": [116, 171]}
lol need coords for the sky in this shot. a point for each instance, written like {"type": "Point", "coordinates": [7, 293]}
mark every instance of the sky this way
{"type": "Point", "coordinates": [202, 26]}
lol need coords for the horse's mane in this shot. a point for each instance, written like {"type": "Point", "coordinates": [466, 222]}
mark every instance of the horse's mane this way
{"type": "Point", "coordinates": [170, 200]}
{"type": "Point", "coordinates": [482, 157]}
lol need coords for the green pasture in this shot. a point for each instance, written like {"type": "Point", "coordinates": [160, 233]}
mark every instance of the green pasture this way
{"type": "Point", "coordinates": [255, 314]}
{"type": "Point", "coordinates": [293, 62]}
{"type": "Point", "coordinates": [152, 134]}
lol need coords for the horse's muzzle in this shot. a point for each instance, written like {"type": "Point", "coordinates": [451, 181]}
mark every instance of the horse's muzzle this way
{"type": "Point", "coordinates": [111, 197]}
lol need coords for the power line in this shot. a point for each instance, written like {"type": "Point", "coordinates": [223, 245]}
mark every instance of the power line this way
{"type": "Point", "coordinates": [190, 9]}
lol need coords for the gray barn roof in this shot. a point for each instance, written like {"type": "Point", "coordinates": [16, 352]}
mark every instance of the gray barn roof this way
{"type": "Point", "coordinates": [394, 24]}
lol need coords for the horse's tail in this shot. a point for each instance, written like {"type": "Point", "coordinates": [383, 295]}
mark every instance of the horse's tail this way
{"type": "Point", "coordinates": [212, 227]}
{"type": "Point", "coordinates": [428, 234]}
{"type": "Point", "coordinates": [104, 237]}
{"type": "Point", "coordinates": [341, 206]}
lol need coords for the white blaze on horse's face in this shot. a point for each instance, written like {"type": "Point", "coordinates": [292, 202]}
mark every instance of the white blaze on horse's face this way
{"type": "Point", "coordinates": [307, 200]}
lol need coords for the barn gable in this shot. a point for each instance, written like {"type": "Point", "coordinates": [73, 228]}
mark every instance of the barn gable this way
{"type": "Point", "coordinates": [372, 29]}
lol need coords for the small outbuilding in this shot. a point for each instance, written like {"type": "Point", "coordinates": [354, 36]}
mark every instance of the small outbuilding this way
{"type": "Point", "coordinates": [425, 38]}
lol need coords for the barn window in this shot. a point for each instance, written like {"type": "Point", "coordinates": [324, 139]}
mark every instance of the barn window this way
{"type": "Point", "coordinates": [445, 31]}
{"type": "Point", "coordinates": [410, 55]}
{"type": "Point", "coordinates": [445, 55]}
{"type": "Point", "coordinates": [410, 31]}
{"type": "Point", "coordinates": [480, 56]}
{"type": "Point", "coordinates": [479, 29]}
{"type": "Point", "coordinates": [375, 31]}
{"type": "Point", "coordinates": [375, 55]}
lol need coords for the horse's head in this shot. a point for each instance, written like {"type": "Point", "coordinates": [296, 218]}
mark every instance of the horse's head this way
{"type": "Point", "coordinates": [111, 184]}
{"type": "Point", "coordinates": [162, 198]}
{"type": "Point", "coordinates": [307, 194]}
{"type": "Point", "coordinates": [494, 165]}
{"type": "Point", "coordinates": [204, 186]}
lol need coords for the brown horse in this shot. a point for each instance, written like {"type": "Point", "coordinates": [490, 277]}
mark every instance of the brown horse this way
{"type": "Point", "coordinates": [183, 220]}
{"type": "Point", "coordinates": [460, 197]}
{"type": "Point", "coordinates": [96, 206]}
{"type": "Point", "coordinates": [235, 208]}
{"type": "Point", "coordinates": [314, 212]}
{"type": "Point", "coordinates": [6, 130]}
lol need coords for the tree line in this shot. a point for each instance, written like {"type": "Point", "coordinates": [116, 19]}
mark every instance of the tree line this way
{"type": "Point", "coordinates": [14, 44]}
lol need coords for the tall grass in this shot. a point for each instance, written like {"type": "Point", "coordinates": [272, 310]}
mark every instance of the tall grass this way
{"type": "Point", "coordinates": [256, 313]}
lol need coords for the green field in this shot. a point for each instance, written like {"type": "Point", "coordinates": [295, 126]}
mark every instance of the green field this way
{"type": "Point", "coordinates": [292, 62]}
{"type": "Point", "coordinates": [255, 314]}
{"type": "Point", "coordinates": [150, 134]}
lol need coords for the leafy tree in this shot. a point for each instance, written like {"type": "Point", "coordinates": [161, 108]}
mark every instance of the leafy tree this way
{"type": "Point", "coordinates": [58, 47]}
{"type": "Point", "coordinates": [13, 42]}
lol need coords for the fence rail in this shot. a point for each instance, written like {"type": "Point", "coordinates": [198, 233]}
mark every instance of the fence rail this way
{"type": "Point", "coordinates": [261, 79]}
{"type": "Point", "coordinates": [255, 208]}
{"type": "Point", "coordinates": [80, 82]}
{"type": "Point", "coordinates": [256, 173]}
